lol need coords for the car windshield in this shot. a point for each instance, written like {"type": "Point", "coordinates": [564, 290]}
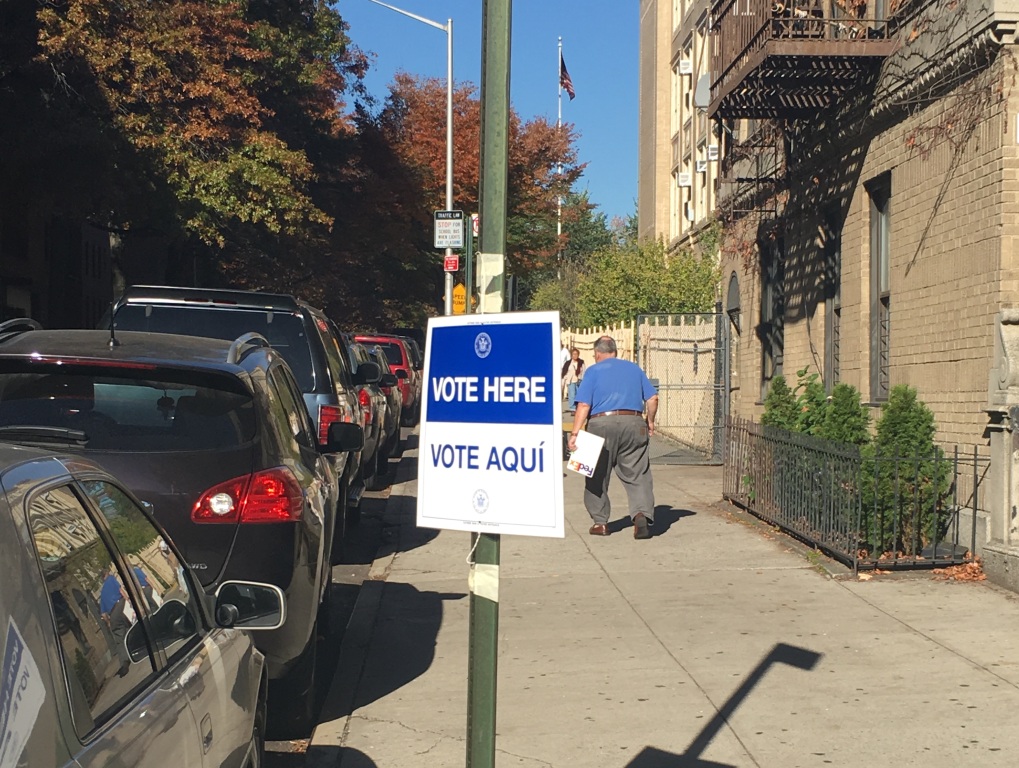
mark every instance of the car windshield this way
{"type": "Point", "coordinates": [393, 352]}
{"type": "Point", "coordinates": [121, 410]}
{"type": "Point", "coordinates": [285, 331]}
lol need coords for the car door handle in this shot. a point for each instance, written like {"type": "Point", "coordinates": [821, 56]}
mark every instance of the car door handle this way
{"type": "Point", "coordinates": [206, 734]}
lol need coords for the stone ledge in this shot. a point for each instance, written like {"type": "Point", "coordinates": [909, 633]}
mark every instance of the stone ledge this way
{"type": "Point", "coordinates": [1001, 564]}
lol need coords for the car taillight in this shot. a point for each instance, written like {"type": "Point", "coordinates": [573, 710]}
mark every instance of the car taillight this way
{"type": "Point", "coordinates": [366, 405]}
{"type": "Point", "coordinates": [269, 496]}
{"type": "Point", "coordinates": [327, 414]}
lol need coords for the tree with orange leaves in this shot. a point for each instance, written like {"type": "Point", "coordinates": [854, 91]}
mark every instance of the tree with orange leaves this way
{"type": "Point", "coordinates": [413, 119]}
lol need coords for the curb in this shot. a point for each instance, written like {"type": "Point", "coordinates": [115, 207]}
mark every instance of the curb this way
{"type": "Point", "coordinates": [328, 735]}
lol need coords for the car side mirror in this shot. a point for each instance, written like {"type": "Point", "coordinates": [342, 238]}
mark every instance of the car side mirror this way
{"type": "Point", "coordinates": [368, 373]}
{"type": "Point", "coordinates": [171, 621]}
{"type": "Point", "coordinates": [388, 380]}
{"type": "Point", "coordinates": [344, 436]}
{"type": "Point", "coordinates": [250, 605]}
{"type": "Point", "coordinates": [401, 374]}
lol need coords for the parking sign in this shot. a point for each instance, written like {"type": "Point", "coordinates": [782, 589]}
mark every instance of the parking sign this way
{"type": "Point", "coordinates": [490, 451]}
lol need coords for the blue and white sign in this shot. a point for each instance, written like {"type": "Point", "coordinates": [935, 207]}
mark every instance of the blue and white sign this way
{"type": "Point", "coordinates": [22, 692]}
{"type": "Point", "coordinates": [491, 449]}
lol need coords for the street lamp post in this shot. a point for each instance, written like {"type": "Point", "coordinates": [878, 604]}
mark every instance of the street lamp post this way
{"type": "Point", "coordinates": [448, 29]}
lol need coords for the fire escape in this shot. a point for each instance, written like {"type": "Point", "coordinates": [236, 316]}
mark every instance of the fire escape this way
{"type": "Point", "coordinates": [776, 63]}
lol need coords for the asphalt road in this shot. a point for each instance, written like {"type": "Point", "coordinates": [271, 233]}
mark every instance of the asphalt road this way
{"type": "Point", "coordinates": [348, 577]}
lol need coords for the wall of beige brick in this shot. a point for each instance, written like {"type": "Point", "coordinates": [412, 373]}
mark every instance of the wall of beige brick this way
{"type": "Point", "coordinates": [954, 258]}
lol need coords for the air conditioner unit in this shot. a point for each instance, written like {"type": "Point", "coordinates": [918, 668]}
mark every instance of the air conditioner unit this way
{"type": "Point", "coordinates": [685, 67]}
{"type": "Point", "coordinates": [712, 152]}
{"type": "Point", "coordinates": [688, 211]}
{"type": "Point", "coordinates": [702, 166]}
{"type": "Point", "coordinates": [684, 179]}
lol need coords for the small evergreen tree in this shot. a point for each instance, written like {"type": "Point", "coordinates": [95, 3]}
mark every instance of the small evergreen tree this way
{"type": "Point", "coordinates": [780, 409]}
{"type": "Point", "coordinates": [905, 478]}
{"type": "Point", "coordinates": [811, 403]}
{"type": "Point", "coordinates": [846, 420]}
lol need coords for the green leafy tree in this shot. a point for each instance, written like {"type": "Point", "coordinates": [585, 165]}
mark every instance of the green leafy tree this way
{"type": "Point", "coordinates": [627, 280]}
{"type": "Point", "coordinates": [560, 294]}
{"type": "Point", "coordinates": [585, 229]}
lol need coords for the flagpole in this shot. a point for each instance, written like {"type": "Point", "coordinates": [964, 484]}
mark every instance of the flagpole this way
{"type": "Point", "coordinates": [559, 169]}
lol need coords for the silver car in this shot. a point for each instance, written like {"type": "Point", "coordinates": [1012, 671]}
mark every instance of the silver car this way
{"type": "Point", "coordinates": [112, 655]}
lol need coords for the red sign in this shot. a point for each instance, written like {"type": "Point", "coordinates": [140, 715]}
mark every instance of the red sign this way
{"type": "Point", "coordinates": [452, 263]}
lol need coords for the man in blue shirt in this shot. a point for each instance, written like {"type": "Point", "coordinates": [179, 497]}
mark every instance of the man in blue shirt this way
{"type": "Point", "coordinates": [611, 399]}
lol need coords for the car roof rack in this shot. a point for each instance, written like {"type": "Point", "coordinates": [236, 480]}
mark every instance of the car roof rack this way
{"type": "Point", "coordinates": [244, 344]}
{"type": "Point", "coordinates": [16, 325]}
{"type": "Point", "coordinates": [209, 296]}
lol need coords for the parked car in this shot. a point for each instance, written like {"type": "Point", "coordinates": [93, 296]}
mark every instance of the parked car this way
{"type": "Point", "coordinates": [113, 654]}
{"type": "Point", "coordinates": [401, 365]}
{"type": "Point", "coordinates": [418, 362]}
{"type": "Point", "coordinates": [215, 437]}
{"type": "Point", "coordinates": [389, 386]}
{"type": "Point", "coordinates": [375, 462]}
{"type": "Point", "coordinates": [300, 332]}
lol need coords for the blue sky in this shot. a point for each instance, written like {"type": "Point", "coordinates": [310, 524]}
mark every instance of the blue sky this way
{"type": "Point", "coordinates": [600, 40]}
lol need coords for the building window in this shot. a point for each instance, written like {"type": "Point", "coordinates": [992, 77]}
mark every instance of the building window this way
{"type": "Point", "coordinates": [831, 249]}
{"type": "Point", "coordinates": [771, 330]}
{"type": "Point", "coordinates": [880, 191]}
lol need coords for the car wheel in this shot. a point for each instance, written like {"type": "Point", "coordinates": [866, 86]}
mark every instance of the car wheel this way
{"type": "Point", "coordinates": [292, 697]}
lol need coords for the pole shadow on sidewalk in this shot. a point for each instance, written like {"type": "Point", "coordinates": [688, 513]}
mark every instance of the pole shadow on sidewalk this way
{"type": "Point", "coordinates": [791, 655]}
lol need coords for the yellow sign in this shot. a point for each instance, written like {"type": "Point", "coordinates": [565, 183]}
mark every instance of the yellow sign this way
{"type": "Point", "coordinates": [459, 299]}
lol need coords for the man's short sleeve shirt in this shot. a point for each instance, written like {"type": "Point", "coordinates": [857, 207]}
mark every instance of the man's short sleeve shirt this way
{"type": "Point", "coordinates": [614, 385]}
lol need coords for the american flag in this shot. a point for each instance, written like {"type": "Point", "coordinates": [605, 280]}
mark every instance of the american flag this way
{"type": "Point", "coordinates": [564, 78]}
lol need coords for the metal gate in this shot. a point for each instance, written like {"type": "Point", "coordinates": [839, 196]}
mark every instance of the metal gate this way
{"type": "Point", "coordinates": [687, 357]}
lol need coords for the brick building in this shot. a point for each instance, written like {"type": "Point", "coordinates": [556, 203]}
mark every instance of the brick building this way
{"type": "Point", "coordinates": [869, 191]}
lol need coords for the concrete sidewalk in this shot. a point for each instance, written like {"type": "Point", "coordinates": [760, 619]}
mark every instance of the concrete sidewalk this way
{"type": "Point", "coordinates": [716, 643]}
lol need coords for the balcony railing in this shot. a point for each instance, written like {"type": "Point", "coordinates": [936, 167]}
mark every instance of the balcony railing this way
{"type": "Point", "coordinates": [789, 56]}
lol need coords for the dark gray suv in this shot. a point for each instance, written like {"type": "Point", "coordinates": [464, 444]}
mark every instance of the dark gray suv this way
{"type": "Point", "coordinates": [300, 332]}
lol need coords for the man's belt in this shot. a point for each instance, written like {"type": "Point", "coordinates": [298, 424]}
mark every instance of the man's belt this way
{"type": "Point", "coordinates": [620, 412]}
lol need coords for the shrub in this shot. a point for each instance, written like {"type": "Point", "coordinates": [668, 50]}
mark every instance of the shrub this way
{"type": "Point", "coordinates": [846, 420]}
{"type": "Point", "coordinates": [906, 478]}
{"type": "Point", "coordinates": [779, 405]}
{"type": "Point", "coordinates": [811, 403]}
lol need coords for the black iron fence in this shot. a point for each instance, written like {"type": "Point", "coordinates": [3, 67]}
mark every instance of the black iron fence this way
{"type": "Point", "coordinates": [865, 509]}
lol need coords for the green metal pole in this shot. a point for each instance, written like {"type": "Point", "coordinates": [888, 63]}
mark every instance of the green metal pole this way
{"type": "Point", "coordinates": [484, 606]}
{"type": "Point", "coordinates": [469, 275]}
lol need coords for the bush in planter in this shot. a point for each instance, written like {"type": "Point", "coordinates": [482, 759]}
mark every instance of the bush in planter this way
{"type": "Point", "coordinates": [906, 479]}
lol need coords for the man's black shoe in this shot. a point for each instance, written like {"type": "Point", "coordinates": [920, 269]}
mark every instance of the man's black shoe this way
{"type": "Point", "coordinates": [640, 527]}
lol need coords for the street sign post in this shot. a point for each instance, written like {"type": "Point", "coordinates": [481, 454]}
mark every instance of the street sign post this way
{"type": "Point", "coordinates": [449, 229]}
{"type": "Point", "coordinates": [500, 372]}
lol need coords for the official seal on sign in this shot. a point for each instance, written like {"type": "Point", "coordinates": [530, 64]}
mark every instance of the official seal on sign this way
{"type": "Point", "coordinates": [482, 345]}
{"type": "Point", "coordinates": [480, 501]}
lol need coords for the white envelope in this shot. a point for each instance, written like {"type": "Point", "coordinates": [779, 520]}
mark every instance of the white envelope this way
{"type": "Point", "coordinates": [585, 458]}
